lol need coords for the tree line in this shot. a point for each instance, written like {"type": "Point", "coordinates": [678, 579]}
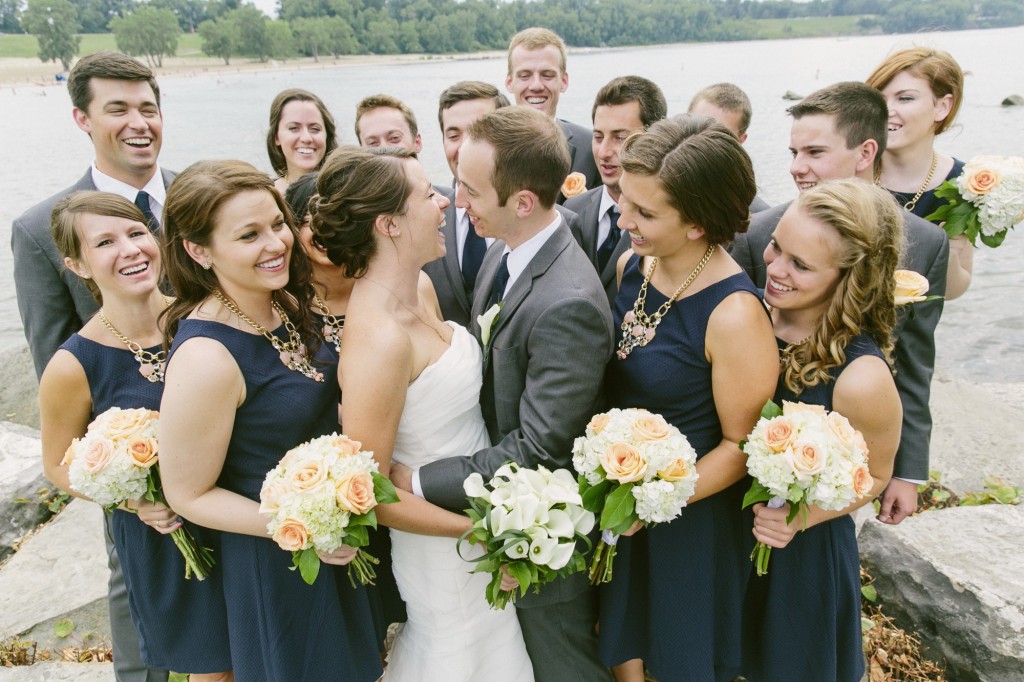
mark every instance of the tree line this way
{"type": "Point", "coordinates": [315, 28]}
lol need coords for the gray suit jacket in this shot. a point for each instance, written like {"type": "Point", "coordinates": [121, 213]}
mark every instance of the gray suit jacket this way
{"type": "Point", "coordinates": [587, 206]}
{"type": "Point", "coordinates": [53, 302]}
{"type": "Point", "coordinates": [581, 153]}
{"type": "Point", "coordinates": [927, 252]}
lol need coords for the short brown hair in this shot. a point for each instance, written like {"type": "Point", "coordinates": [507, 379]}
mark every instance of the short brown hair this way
{"type": "Point", "coordinates": [64, 223]}
{"type": "Point", "coordinates": [703, 169]}
{"type": "Point", "coordinates": [536, 38]}
{"type": "Point", "coordinates": [464, 91]}
{"type": "Point", "coordinates": [112, 65]}
{"type": "Point", "coordinates": [626, 89]}
{"type": "Point", "coordinates": [943, 73]}
{"type": "Point", "coordinates": [727, 97]}
{"type": "Point", "coordinates": [530, 152]}
{"type": "Point", "coordinates": [277, 160]}
{"type": "Point", "coordinates": [859, 113]}
{"type": "Point", "coordinates": [386, 102]}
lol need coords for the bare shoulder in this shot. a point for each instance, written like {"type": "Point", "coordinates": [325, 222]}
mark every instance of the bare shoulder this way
{"type": "Point", "coordinates": [202, 364]}
{"type": "Point", "coordinates": [63, 375]}
{"type": "Point", "coordinates": [738, 312]}
{"type": "Point", "coordinates": [866, 383]}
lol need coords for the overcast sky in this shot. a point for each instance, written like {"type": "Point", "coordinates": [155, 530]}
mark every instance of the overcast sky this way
{"type": "Point", "coordinates": [269, 7]}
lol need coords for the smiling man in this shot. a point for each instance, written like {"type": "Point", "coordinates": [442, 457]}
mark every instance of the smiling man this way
{"type": "Point", "coordinates": [385, 121]}
{"type": "Point", "coordinates": [117, 103]}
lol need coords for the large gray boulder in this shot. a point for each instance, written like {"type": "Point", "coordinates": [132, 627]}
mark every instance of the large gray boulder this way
{"type": "Point", "coordinates": [23, 488]}
{"type": "Point", "coordinates": [59, 671]}
{"type": "Point", "coordinates": [19, 389]}
{"type": "Point", "coordinates": [954, 576]}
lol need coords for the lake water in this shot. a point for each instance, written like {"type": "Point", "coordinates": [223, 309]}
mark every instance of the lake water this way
{"type": "Point", "coordinates": [225, 116]}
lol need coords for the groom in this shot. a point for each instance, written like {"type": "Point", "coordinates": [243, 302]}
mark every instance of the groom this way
{"type": "Point", "coordinates": [545, 353]}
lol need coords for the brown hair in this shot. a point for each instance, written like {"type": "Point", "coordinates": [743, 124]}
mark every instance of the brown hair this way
{"type": "Point", "coordinates": [944, 76]}
{"type": "Point", "coordinates": [530, 153]}
{"type": "Point", "coordinates": [626, 89]}
{"type": "Point", "coordinates": [727, 97]}
{"type": "Point", "coordinates": [870, 226]}
{"type": "Point", "coordinates": [277, 160]}
{"type": "Point", "coordinates": [64, 223]}
{"type": "Point", "coordinates": [354, 187]}
{"type": "Point", "coordinates": [112, 65]}
{"type": "Point", "coordinates": [193, 203]}
{"type": "Point", "coordinates": [536, 38]}
{"type": "Point", "coordinates": [385, 102]}
{"type": "Point", "coordinates": [703, 169]}
{"type": "Point", "coordinates": [464, 91]}
{"type": "Point", "coordinates": [858, 111]}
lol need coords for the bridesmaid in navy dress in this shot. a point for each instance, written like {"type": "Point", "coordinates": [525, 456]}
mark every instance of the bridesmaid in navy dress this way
{"type": "Point", "coordinates": [830, 284]}
{"type": "Point", "coordinates": [247, 381]}
{"type": "Point", "coordinates": [115, 360]}
{"type": "Point", "coordinates": [675, 599]}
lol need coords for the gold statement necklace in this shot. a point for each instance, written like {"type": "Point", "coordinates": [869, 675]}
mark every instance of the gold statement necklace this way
{"type": "Point", "coordinates": [333, 325]}
{"type": "Point", "coordinates": [151, 365]}
{"type": "Point", "coordinates": [924, 186]}
{"type": "Point", "coordinates": [292, 352]}
{"type": "Point", "coordinates": [638, 328]}
{"type": "Point", "coordinates": [786, 353]}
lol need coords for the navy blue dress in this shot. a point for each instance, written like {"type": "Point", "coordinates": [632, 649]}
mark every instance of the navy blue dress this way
{"type": "Point", "coordinates": [182, 624]}
{"type": "Point", "coordinates": [929, 203]}
{"type": "Point", "coordinates": [677, 591]}
{"type": "Point", "coordinates": [802, 619]}
{"type": "Point", "coordinates": [282, 630]}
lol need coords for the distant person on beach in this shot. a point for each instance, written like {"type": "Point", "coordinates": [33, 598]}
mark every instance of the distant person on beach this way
{"type": "Point", "coordinates": [302, 133]}
{"type": "Point", "coordinates": [730, 106]}
{"type": "Point", "coordinates": [923, 88]}
{"type": "Point", "coordinates": [536, 78]}
{"type": "Point", "coordinates": [116, 102]}
{"type": "Point", "coordinates": [386, 121]}
{"type": "Point", "coordinates": [840, 131]}
{"type": "Point", "coordinates": [622, 107]}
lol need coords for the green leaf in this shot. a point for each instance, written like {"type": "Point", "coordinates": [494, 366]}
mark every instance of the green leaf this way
{"type": "Point", "coordinates": [994, 240]}
{"type": "Point", "coordinates": [869, 592]}
{"type": "Point", "coordinates": [308, 563]}
{"type": "Point", "coordinates": [593, 498]}
{"type": "Point", "coordinates": [357, 536]}
{"type": "Point", "coordinates": [384, 489]}
{"type": "Point", "coordinates": [866, 624]}
{"type": "Point", "coordinates": [520, 570]}
{"type": "Point", "coordinates": [63, 627]}
{"type": "Point", "coordinates": [618, 507]}
{"type": "Point", "coordinates": [367, 519]}
{"type": "Point", "coordinates": [757, 493]}
{"type": "Point", "coordinates": [770, 410]}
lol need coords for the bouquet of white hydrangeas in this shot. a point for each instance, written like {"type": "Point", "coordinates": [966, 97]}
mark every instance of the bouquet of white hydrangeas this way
{"type": "Point", "coordinates": [986, 200]}
{"type": "Point", "coordinates": [528, 520]}
{"type": "Point", "coordinates": [804, 455]}
{"type": "Point", "coordinates": [321, 496]}
{"type": "Point", "coordinates": [116, 461]}
{"type": "Point", "coordinates": [633, 466]}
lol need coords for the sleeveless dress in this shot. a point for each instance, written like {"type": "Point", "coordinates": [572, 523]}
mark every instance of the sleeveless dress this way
{"type": "Point", "coordinates": [181, 624]}
{"type": "Point", "coordinates": [452, 635]}
{"type": "Point", "coordinates": [282, 630]}
{"type": "Point", "coordinates": [677, 591]}
{"type": "Point", "coordinates": [802, 619]}
{"type": "Point", "coordinates": [929, 203]}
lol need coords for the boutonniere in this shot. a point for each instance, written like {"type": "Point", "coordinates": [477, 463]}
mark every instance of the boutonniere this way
{"type": "Point", "coordinates": [574, 184]}
{"type": "Point", "coordinates": [911, 287]}
{"type": "Point", "coordinates": [487, 322]}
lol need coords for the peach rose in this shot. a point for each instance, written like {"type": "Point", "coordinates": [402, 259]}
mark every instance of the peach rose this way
{"type": "Point", "coordinates": [355, 493]}
{"type": "Point", "coordinates": [292, 535]}
{"type": "Point", "coordinates": [650, 427]}
{"type": "Point", "coordinates": [841, 429]}
{"type": "Point", "coordinates": [676, 470]}
{"type": "Point", "coordinates": [143, 452]}
{"type": "Point", "coordinates": [779, 434]}
{"type": "Point", "coordinates": [97, 455]}
{"type": "Point", "coordinates": [808, 459]}
{"type": "Point", "coordinates": [789, 408]}
{"type": "Point", "coordinates": [623, 463]}
{"type": "Point", "coordinates": [575, 183]}
{"type": "Point", "coordinates": [126, 423]}
{"type": "Point", "coordinates": [911, 287]}
{"type": "Point", "coordinates": [307, 474]}
{"type": "Point", "coordinates": [860, 443]}
{"type": "Point", "coordinates": [981, 179]}
{"type": "Point", "coordinates": [345, 446]}
{"type": "Point", "coordinates": [69, 454]}
{"type": "Point", "coordinates": [271, 495]}
{"type": "Point", "coordinates": [599, 422]}
{"type": "Point", "coordinates": [862, 481]}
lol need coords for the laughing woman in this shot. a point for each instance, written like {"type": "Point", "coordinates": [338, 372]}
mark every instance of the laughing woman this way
{"type": "Point", "coordinates": [232, 409]}
{"type": "Point", "coordinates": [115, 361]}
{"type": "Point", "coordinates": [302, 134]}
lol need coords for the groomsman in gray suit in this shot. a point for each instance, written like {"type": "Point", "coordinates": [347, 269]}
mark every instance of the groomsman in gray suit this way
{"type": "Point", "coordinates": [536, 78]}
{"type": "Point", "coordinates": [116, 102]}
{"type": "Point", "coordinates": [838, 132]}
{"type": "Point", "coordinates": [544, 355]}
{"type": "Point", "coordinates": [624, 106]}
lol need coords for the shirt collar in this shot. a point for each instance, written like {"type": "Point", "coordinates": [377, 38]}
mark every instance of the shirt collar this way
{"type": "Point", "coordinates": [154, 188]}
{"type": "Point", "coordinates": [519, 258]}
{"type": "Point", "coordinates": [606, 202]}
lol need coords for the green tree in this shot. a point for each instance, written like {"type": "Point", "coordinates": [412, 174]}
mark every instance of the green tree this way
{"type": "Point", "coordinates": [190, 13]}
{"type": "Point", "coordinates": [220, 38]}
{"type": "Point", "coordinates": [342, 37]}
{"type": "Point", "coordinates": [251, 25]}
{"type": "Point", "coordinates": [54, 23]}
{"type": "Point", "coordinates": [280, 41]}
{"type": "Point", "coordinates": [148, 32]}
{"type": "Point", "coordinates": [312, 36]}
{"type": "Point", "coordinates": [10, 16]}
{"type": "Point", "coordinates": [94, 16]}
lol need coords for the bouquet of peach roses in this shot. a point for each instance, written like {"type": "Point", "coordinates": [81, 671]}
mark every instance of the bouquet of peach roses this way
{"type": "Point", "coordinates": [633, 465]}
{"type": "Point", "coordinates": [116, 461]}
{"type": "Point", "coordinates": [803, 455]}
{"type": "Point", "coordinates": [986, 200]}
{"type": "Point", "coordinates": [322, 495]}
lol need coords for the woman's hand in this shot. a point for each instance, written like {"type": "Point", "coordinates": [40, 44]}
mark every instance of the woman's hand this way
{"type": "Point", "coordinates": [508, 583]}
{"type": "Point", "coordinates": [339, 557]}
{"type": "Point", "coordinates": [770, 525]}
{"type": "Point", "coordinates": [156, 515]}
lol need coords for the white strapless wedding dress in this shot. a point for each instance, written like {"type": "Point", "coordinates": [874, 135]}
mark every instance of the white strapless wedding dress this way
{"type": "Point", "coordinates": [452, 635]}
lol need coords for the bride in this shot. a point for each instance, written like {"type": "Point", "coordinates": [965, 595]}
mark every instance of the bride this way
{"type": "Point", "coordinates": [410, 393]}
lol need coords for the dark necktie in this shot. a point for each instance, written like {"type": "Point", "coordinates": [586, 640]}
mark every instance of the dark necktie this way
{"type": "Point", "coordinates": [604, 252]}
{"type": "Point", "coordinates": [142, 201]}
{"type": "Point", "coordinates": [473, 250]}
{"type": "Point", "coordinates": [500, 282]}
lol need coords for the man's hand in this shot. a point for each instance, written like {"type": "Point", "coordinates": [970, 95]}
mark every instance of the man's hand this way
{"type": "Point", "coordinates": [898, 501]}
{"type": "Point", "coordinates": [401, 476]}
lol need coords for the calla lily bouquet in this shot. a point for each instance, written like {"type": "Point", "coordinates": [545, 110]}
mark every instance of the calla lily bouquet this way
{"type": "Point", "coordinates": [985, 201]}
{"type": "Point", "coordinates": [529, 521]}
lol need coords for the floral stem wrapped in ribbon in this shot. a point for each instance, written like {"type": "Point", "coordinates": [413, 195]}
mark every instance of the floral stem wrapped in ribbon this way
{"type": "Point", "coordinates": [985, 201]}
{"type": "Point", "coordinates": [529, 521]}
{"type": "Point", "coordinates": [116, 461]}
{"type": "Point", "coordinates": [803, 455]}
{"type": "Point", "coordinates": [633, 466]}
{"type": "Point", "coordinates": [321, 496]}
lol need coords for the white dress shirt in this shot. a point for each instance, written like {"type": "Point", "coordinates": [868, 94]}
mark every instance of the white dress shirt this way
{"type": "Point", "coordinates": [154, 188]}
